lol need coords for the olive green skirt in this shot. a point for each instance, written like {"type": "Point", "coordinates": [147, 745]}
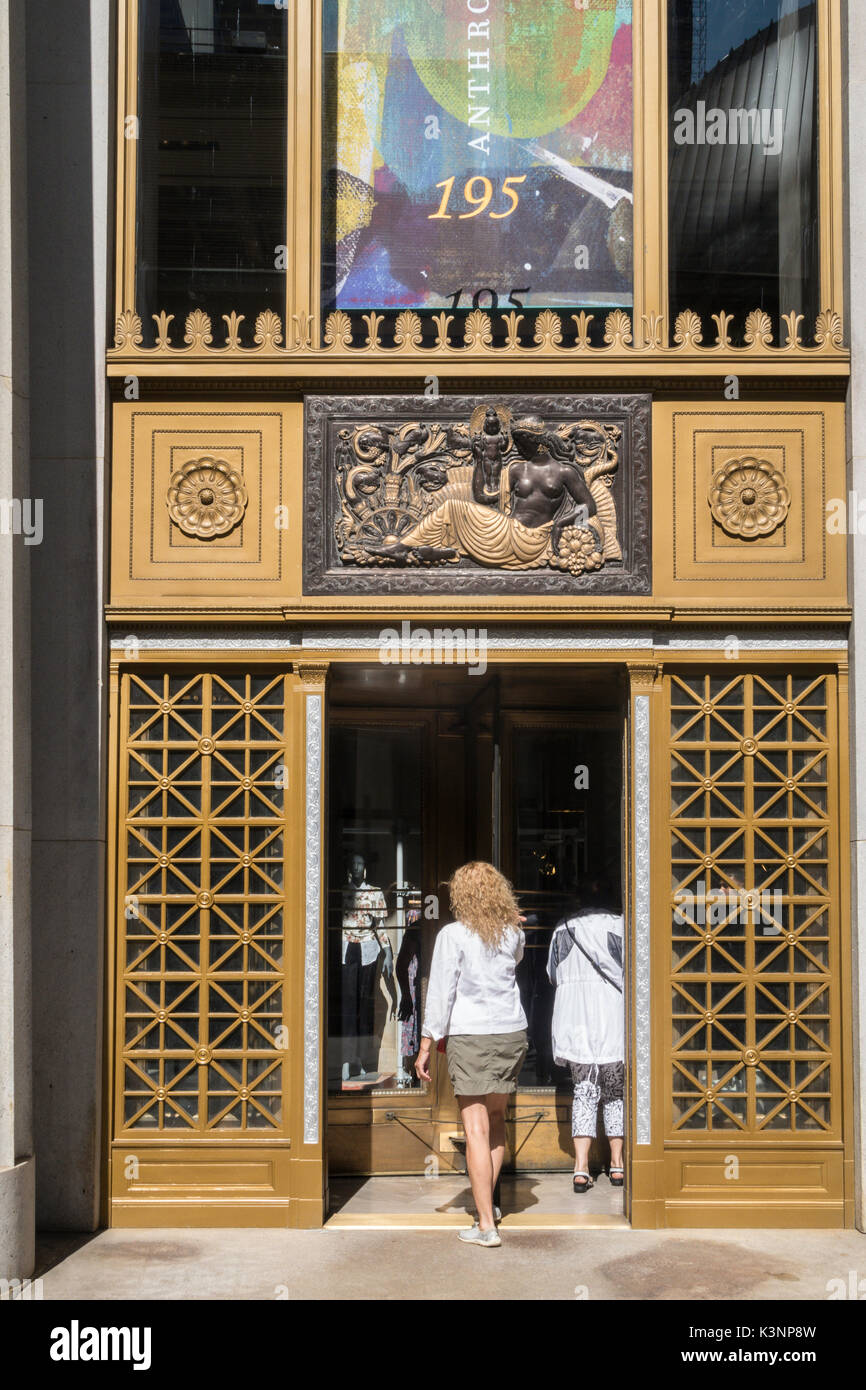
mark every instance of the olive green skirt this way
{"type": "Point", "coordinates": [482, 1063]}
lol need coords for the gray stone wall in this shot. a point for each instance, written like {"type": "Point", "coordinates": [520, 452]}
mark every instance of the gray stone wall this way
{"type": "Point", "coordinates": [16, 1115]}
{"type": "Point", "coordinates": [69, 150]}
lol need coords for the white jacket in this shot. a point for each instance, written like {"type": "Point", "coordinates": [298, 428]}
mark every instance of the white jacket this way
{"type": "Point", "coordinates": [588, 1014]}
{"type": "Point", "coordinates": [472, 989]}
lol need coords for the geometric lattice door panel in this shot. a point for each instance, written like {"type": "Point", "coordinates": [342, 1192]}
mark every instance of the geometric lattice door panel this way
{"type": "Point", "coordinates": [753, 1045]}
{"type": "Point", "coordinates": [201, 1035]}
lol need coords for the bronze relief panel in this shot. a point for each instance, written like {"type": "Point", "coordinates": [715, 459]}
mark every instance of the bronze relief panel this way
{"type": "Point", "coordinates": [494, 495]}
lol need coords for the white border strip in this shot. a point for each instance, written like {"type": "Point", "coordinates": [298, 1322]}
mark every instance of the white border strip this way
{"type": "Point", "coordinates": [503, 639]}
{"type": "Point", "coordinates": [642, 880]}
{"type": "Point", "coordinates": [312, 866]}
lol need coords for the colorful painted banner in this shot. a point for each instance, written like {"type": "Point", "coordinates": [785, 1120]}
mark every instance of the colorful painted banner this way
{"type": "Point", "coordinates": [477, 153]}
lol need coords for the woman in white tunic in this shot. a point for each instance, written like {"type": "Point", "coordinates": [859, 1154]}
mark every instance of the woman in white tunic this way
{"type": "Point", "coordinates": [473, 1001]}
{"type": "Point", "coordinates": [585, 965]}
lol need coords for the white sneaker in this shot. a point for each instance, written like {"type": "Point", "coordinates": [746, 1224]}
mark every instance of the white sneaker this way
{"type": "Point", "coordinates": [475, 1236]}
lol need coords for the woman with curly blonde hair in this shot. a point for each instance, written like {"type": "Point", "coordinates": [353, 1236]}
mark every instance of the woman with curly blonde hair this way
{"type": "Point", "coordinates": [473, 1002]}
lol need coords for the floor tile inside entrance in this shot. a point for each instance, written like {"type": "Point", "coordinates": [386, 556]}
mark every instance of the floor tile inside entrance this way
{"type": "Point", "coordinates": [545, 1199]}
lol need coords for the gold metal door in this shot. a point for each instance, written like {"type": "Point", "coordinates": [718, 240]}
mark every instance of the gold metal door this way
{"type": "Point", "coordinates": [202, 1096]}
{"type": "Point", "coordinates": [752, 1056]}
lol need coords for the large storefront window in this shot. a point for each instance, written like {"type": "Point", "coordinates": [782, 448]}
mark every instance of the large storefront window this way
{"type": "Point", "coordinates": [477, 155]}
{"type": "Point", "coordinates": [743, 191]}
{"type": "Point", "coordinates": [211, 205]}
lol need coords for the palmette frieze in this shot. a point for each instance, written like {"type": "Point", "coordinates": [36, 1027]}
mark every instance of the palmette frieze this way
{"type": "Point", "coordinates": [544, 334]}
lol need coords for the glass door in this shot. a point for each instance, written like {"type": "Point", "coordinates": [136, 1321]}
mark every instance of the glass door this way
{"type": "Point", "coordinates": [379, 876]}
{"type": "Point", "coordinates": [412, 795]}
{"type": "Point", "coordinates": [562, 850]}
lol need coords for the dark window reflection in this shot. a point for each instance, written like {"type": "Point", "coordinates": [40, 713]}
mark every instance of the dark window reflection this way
{"type": "Point", "coordinates": [567, 846]}
{"type": "Point", "coordinates": [743, 161]}
{"type": "Point", "coordinates": [211, 161]}
{"type": "Point", "coordinates": [375, 900]}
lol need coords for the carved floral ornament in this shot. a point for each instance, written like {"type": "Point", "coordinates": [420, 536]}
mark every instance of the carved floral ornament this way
{"type": "Point", "coordinates": [552, 335]}
{"type": "Point", "coordinates": [749, 497]}
{"type": "Point", "coordinates": [206, 498]}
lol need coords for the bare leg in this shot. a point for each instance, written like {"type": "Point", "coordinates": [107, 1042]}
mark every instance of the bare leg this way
{"type": "Point", "coordinates": [496, 1104]}
{"type": "Point", "coordinates": [616, 1153]}
{"type": "Point", "coordinates": [582, 1145]}
{"type": "Point", "coordinates": [479, 1157]}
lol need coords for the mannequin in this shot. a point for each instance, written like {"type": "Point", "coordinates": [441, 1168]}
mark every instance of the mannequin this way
{"type": "Point", "coordinates": [407, 968]}
{"type": "Point", "coordinates": [364, 943]}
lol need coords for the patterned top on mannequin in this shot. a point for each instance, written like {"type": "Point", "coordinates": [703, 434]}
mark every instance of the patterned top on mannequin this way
{"type": "Point", "coordinates": [364, 913]}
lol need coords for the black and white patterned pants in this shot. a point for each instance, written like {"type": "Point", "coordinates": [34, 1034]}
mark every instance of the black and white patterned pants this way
{"type": "Point", "coordinates": [592, 1084]}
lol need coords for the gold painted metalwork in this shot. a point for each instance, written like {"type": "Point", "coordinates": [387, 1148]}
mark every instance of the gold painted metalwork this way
{"type": "Point", "coordinates": [792, 1176]}
{"type": "Point", "coordinates": [705, 552]}
{"type": "Point", "coordinates": [749, 497]}
{"type": "Point", "coordinates": [753, 963]}
{"type": "Point", "coordinates": [206, 498]}
{"type": "Point", "coordinates": [201, 1016]}
{"type": "Point", "coordinates": [642, 677]}
{"type": "Point", "coordinates": [549, 338]}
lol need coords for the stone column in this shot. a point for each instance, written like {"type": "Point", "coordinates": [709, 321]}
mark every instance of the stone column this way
{"type": "Point", "coordinates": [16, 1118]}
{"type": "Point", "coordinates": [69, 139]}
{"type": "Point", "coordinates": [855, 104]}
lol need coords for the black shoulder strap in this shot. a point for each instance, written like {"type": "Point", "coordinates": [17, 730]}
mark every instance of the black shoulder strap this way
{"type": "Point", "coordinates": [594, 963]}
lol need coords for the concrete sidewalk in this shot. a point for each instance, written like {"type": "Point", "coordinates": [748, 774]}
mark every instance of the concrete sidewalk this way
{"type": "Point", "coordinates": [358, 1264]}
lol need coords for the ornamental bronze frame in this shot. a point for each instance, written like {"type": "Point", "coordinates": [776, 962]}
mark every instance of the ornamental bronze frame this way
{"type": "Point", "coordinates": [328, 418]}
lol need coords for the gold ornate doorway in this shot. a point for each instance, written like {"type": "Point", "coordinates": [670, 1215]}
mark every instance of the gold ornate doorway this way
{"type": "Point", "coordinates": [228, 848]}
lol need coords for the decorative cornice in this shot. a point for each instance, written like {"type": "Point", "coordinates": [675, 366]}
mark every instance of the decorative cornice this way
{"type": "Point", "coordinates": [524, 611]}
{"type": "Point", "coordinates": [160, 380]}
{"type": "Point", "coordinates": [542, 336]}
